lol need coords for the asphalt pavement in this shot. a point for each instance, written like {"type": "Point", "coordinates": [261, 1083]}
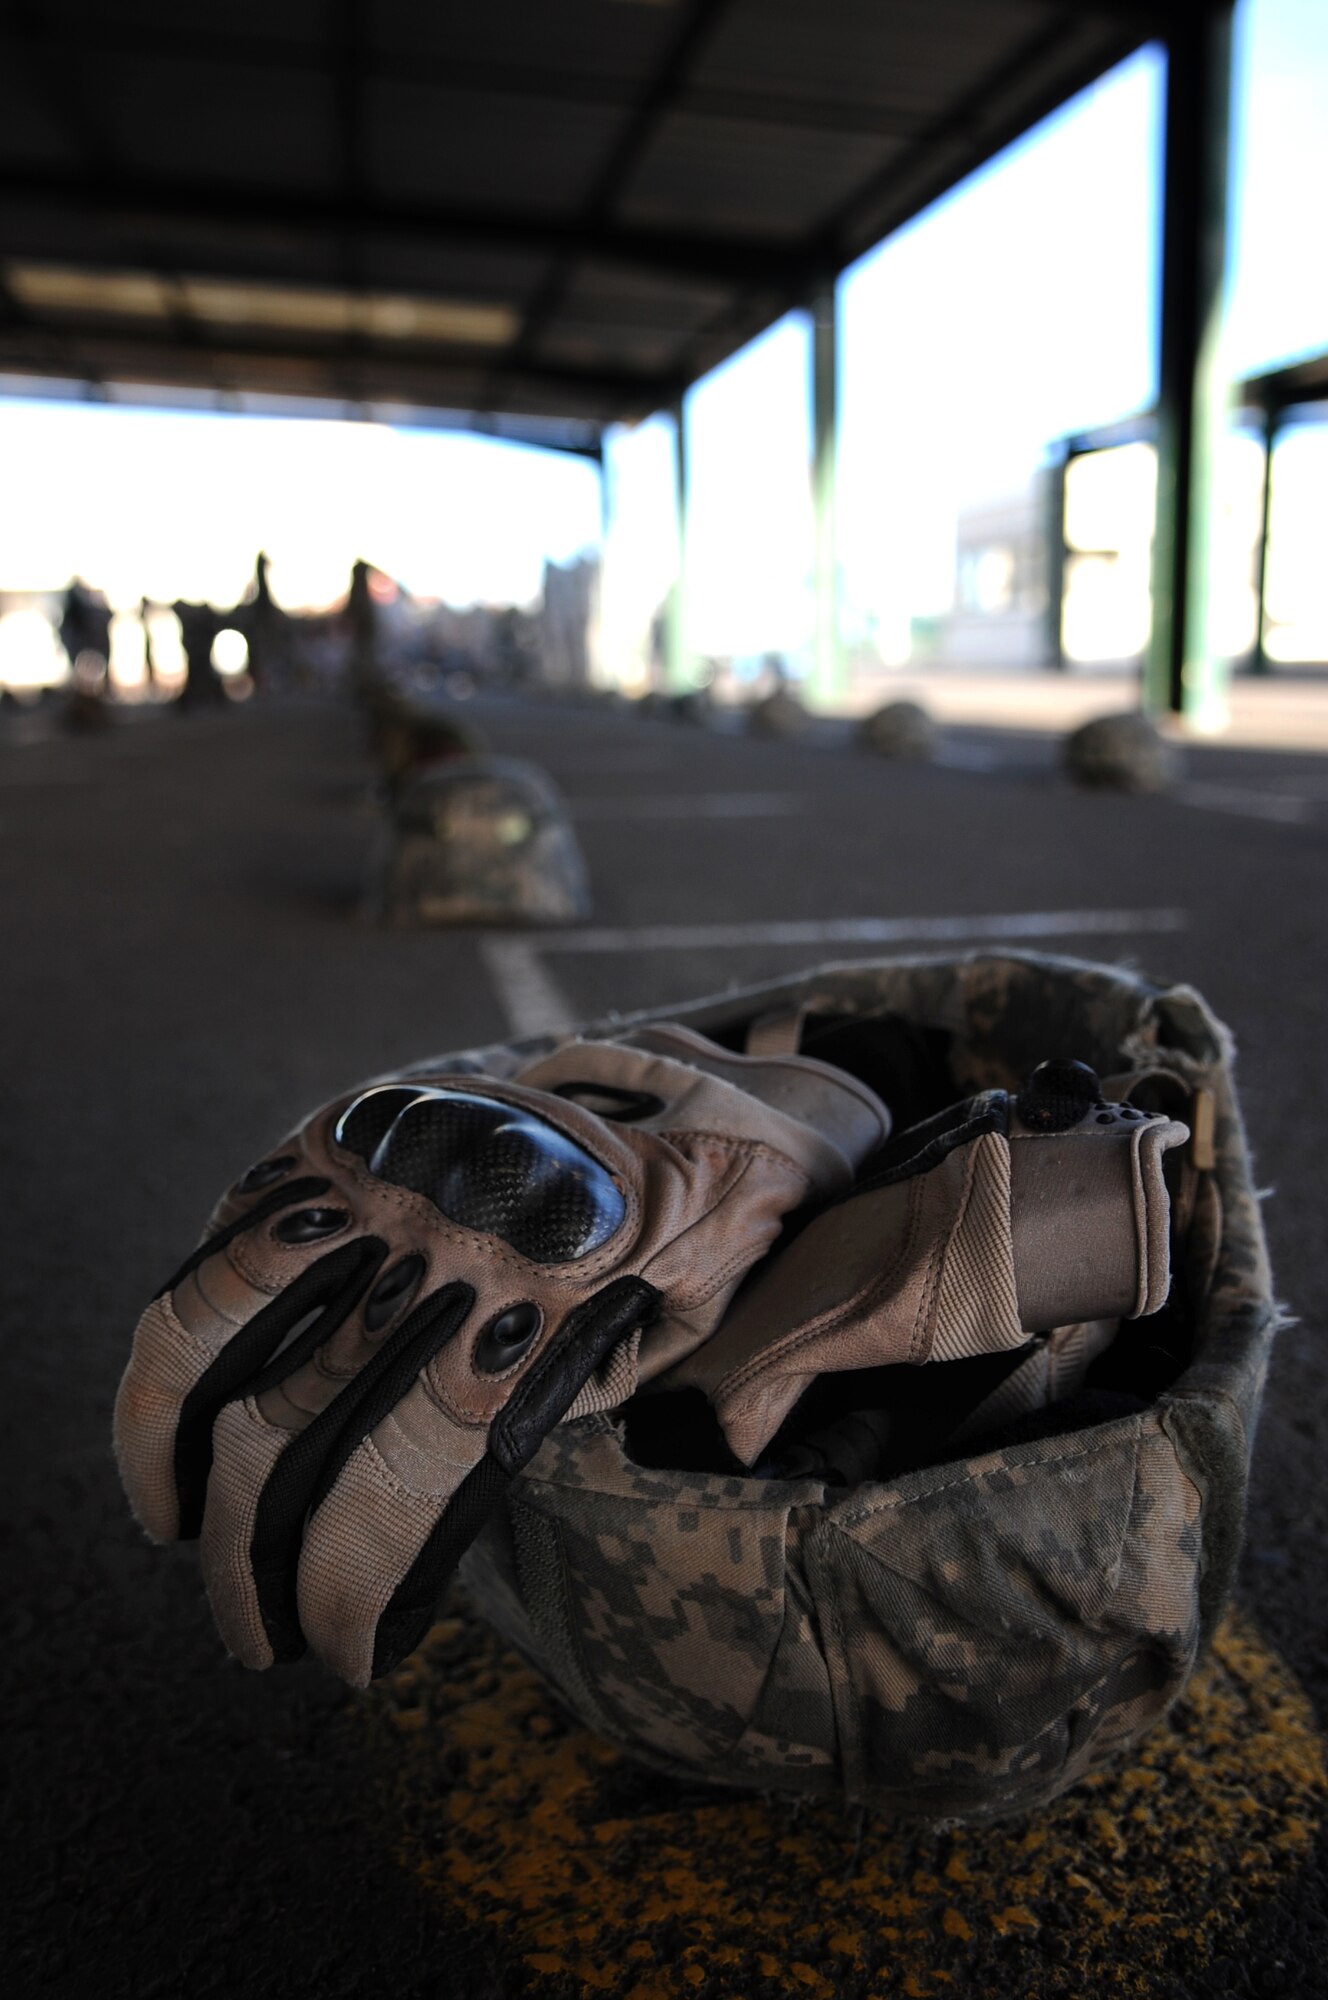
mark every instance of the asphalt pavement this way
{"type": "Point", "coordinates": [186, 970]}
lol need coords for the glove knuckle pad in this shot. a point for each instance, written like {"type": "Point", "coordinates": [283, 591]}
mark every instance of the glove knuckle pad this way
{"type": "Point", "coordinates": [499, 1169]}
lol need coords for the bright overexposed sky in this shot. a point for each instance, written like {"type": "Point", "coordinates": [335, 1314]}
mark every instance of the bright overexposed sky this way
{"type": "Point", "coordinates": [168, 504]}
{"type": "Point", "coordinates": [1278, 308]}
{"type": "Point", "coordinates": [1020, 307]}
{"type": "Point", "coordinates": [641, 544]}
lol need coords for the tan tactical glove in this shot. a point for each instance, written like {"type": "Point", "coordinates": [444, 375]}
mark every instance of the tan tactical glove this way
{"type": "Point", "coordinates": [1001, 1218]}
{"type": "Point", "coordinates": [388, 1315]}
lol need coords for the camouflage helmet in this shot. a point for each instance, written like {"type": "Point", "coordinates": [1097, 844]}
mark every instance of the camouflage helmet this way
{"type": "Point", "coordinates": [480, 840]}
{"type": "Point", "coordinates": [967, 1638]}
{"type": "Point", "coordinates": [407, 737]}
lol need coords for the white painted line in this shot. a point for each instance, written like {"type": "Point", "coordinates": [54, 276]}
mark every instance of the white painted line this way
{"type": "Point", "coordinates": [1285, 810]}
{"type": "Point", "coordinates": [621, 759]}
{"type": "Point", "coordinates": [535, 1003]}
{"type": "Point", "coordinates": [699, 805]}
{"type": "Point", "coordinates": [1311, 784]}
{"type": "Point", "coordinates": [529, 995]}
{"type": "Point", "coordinates": [968, 757]}
{"type": "Point", "coordinates": [867, 930]}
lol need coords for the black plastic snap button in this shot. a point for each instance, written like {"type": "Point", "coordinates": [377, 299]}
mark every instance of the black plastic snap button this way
{"type": "Point", "coordinates": [506, 1338]}
{"type": "Point", "coordinates": [391, 1292]}
{"type": "Point", "coordinates": [306, 1225]}
{"type": "Point", "coordinates": [1058, 1094]}
{"type": "Point", "coordinates": [264, 1174]}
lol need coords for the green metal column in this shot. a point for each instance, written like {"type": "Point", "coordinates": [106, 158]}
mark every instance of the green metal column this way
{"type": "Point", "coordinates": [601, 668]}
{"type": "Point", "coordinates": [1054, 529]}
{"type": "Point", "coordinates": [677, 655]}
{"type": "Point", "coordinates": [828, 677]}
{"type": "Point", "coordinates": [1272, 418]}
{"type": "Point", "coordinates": [1183, 672]}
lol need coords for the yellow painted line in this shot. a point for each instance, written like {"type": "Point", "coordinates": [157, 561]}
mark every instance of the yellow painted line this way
{"type": "Point", "coordinates": [592, 1876]}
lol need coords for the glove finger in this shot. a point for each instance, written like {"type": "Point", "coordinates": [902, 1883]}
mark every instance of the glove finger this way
{"type": "Point", "coordinates": [409, 1487]}
{"type": "Point", "coordinates": [418, 1477]}
{"type": "Point", "coordinates": [256, 1357]}
{"type": "Point", "coordinates": [192, 1350]}
{"type": "Point", "coordinates": [266, 1477]}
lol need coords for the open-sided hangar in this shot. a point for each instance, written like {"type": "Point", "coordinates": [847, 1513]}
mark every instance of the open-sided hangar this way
{"type": "Point", "coordinates": [544, 219]}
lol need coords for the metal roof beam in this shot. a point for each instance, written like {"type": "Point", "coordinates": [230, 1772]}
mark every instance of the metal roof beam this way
{"type": "Point", "coordinates": [76, 111]}
{"type": "Point", "coordinates": [170, 41]}
{"type": "Point", "coordinates": [836, 241]}
{"type": "Point", "coordinates": [581, 437]}
{"type": "Point", "coordinates": [179, 41]}
{"type": "Point", "coordinates": [346, 40]}
{"type": "Point", "coordinates": [1147, 18]}
{"type": "Point", "coordinates": [698, 24]}
{"type": "Point", "coordinates": [347, 51]}
{"type": "Point", "coordinates": [404, 363]}
{"type": "Point", "coordinates": [703, 259]}
{"type": "Point", "coordinates": [903, 188]}
{"type": "Point", "coordinates": [59, 89]}
{"type": "Point", "coordinates": [174, 41]}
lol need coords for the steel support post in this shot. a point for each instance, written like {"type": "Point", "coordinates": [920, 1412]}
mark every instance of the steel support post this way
{"type": "Point", "coordinates": [677, 655]}
{"type": "Point", "coordinates": [1182, 671]}
{"type": "Point", "coordinates": [1258, 656]}
{"type": "Point", "coordinates": [828, 666]}
{"type": "Point", "coordinates": [601, 667]}
{"type": "Point", "coordinates": [1054, 528]}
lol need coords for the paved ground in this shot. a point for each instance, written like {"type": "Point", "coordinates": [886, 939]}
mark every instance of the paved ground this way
{"type": "Point", "coordinates": [184, 972]}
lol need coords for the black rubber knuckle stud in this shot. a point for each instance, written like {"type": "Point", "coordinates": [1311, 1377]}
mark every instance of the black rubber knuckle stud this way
{"type": "Point", "coordinates": [391, 1292]}
{"type": "Point", "coordinates": [506, 1338]}
{"type": "Point", "coordinates": [307, 1225]}
{"type": "Point", "coordinates": [1058, 1094]}
{"type": "Point", "coordinates": [264, 1174]}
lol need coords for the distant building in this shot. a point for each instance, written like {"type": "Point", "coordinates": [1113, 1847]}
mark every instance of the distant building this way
{"type": "Point", "coordinates": [999, 617]}
{"type": "Point", "coordinates": [565, 622]}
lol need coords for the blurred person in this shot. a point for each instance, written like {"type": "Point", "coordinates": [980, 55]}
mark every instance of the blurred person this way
{"type": "Point", "coordinates": [362, 619]}
{"type": "Point", "coordinates": [145, 610]}
{"type": "Point", "coordinates": [513, 657]}
{"type": "Point", "coordinates": [199, 626]}
{"type": "Point", "coordinates": [265, 626]}
{"type": "Point", "coordinates": [86, 709]}
{"type": "Point", "coordinates": [85, 629]}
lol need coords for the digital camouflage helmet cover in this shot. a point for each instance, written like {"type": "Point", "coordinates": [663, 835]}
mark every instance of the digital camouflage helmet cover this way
{"type": "Point", "coordinates": [601, 1319]}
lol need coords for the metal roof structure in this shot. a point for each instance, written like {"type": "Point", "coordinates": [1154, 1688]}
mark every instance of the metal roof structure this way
{"type": "Point", "coordinates": [1298, 384]}
{"type": "Point", "coordinates": [557, 213]}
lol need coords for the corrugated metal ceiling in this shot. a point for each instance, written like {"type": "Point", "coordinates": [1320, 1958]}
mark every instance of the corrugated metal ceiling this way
{"type": "Point", "coordinates": [563, 208]}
